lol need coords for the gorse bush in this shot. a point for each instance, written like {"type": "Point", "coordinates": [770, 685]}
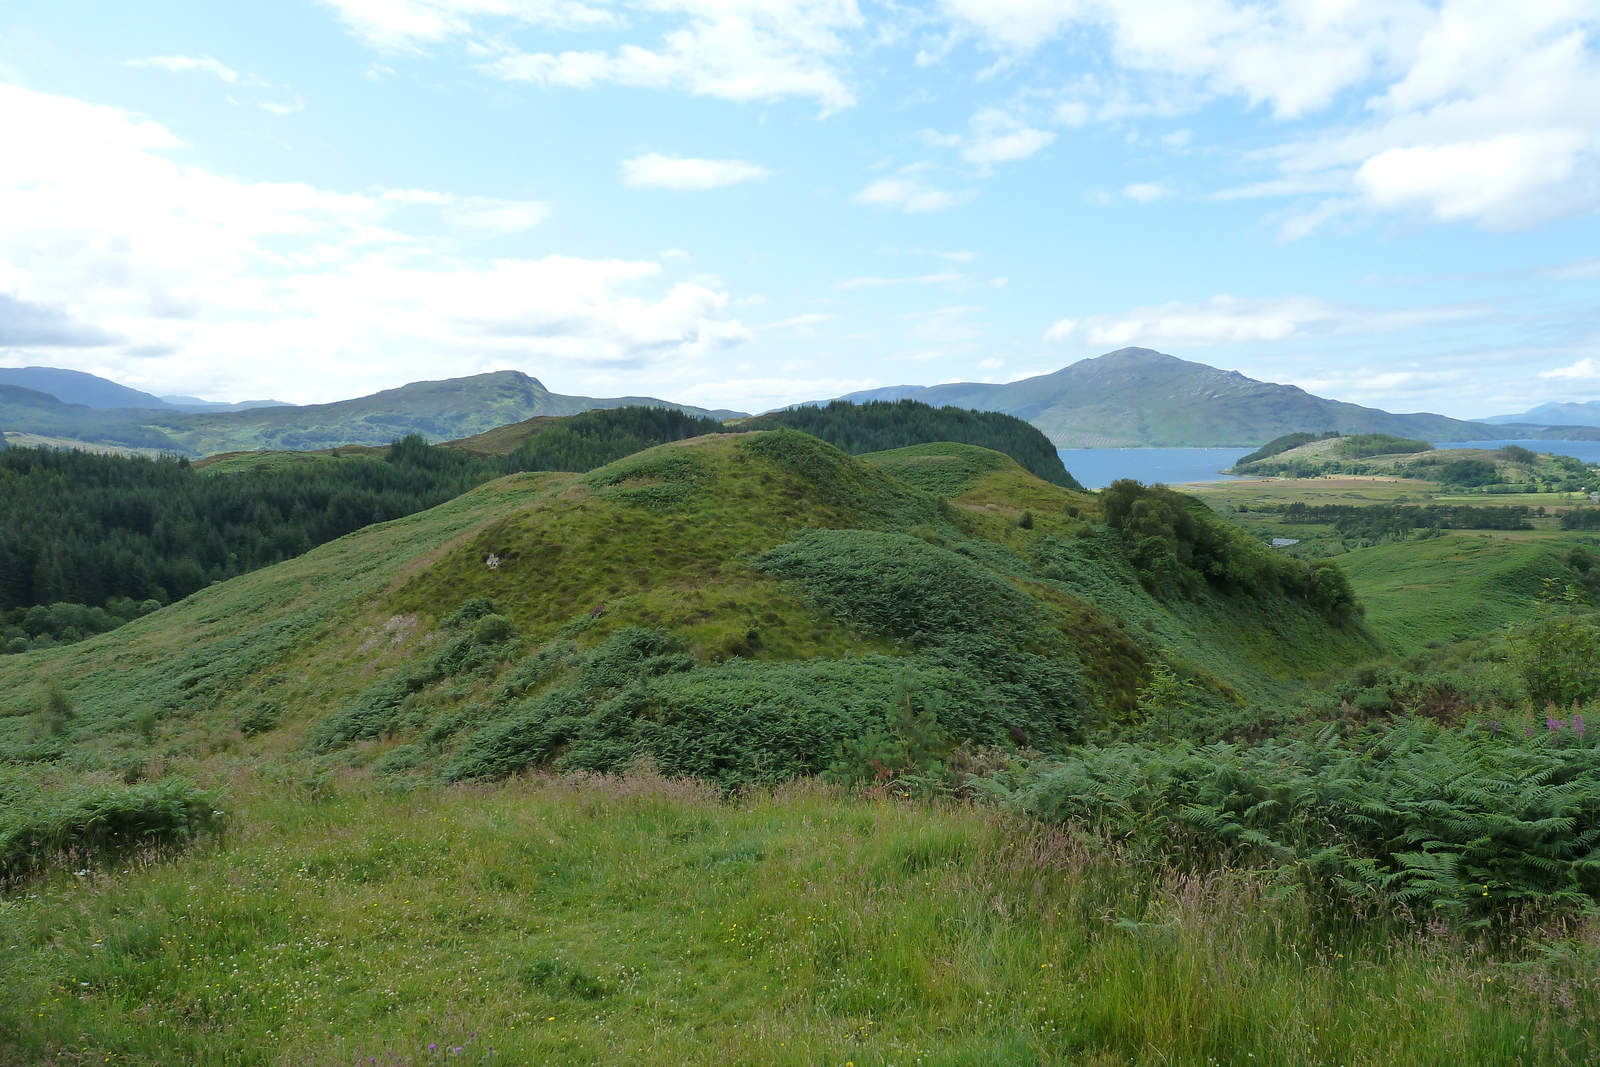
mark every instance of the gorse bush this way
{"type": "Point", "coordinates": [1466, 822]}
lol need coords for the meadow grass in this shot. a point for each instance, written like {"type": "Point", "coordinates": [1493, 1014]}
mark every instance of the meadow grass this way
{"type": "Point", "coordinates": [1450, 588]}
{"type": "Point", "coordinates": [589, 920]}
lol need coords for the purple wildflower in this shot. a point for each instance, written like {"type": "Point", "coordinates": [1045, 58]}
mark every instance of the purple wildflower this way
{"type": "Point", "coordinates": [1494, 726]}
{"type": "Point", "coordinates": [433, 1046]}
{"type": "Point", "coordinates": [1554, 723]}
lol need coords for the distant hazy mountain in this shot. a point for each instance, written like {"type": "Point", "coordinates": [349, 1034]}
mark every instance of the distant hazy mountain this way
{"type": "Point", "coordinates": [440, 411]}
{"type": "Point", "coordinates": [77, 387]}
{"type": "Point", "coordinates": [1586, 414]}
{"type": "Point", "coordinates": [194, 403]}
{"type": "Point", "coordinates": [1136, 396]}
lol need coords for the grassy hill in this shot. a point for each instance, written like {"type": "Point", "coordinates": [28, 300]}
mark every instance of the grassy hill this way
{"type": "Point", "coordinates": [1135, 396]}
{"type": "Point", "coordinates": [442, 410]}
{"type": "Point", "coordinates": [1512, 469]}
{"type": "Point", "coordinates": [667, 648]}
{"type": "Point", "coordinates": [755, 555]}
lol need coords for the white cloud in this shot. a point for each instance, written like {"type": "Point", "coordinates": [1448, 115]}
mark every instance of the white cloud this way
{"type": "Point", "coordinates": [1227, 319]}
{"type": "Point", "coordinates": [408, 25]}
{"type": "Point", "coordinates": [181, 64]}
{"type": "Point", "coordinates": [1145, 192]}
{"type": "Point", "coordinates": [1588, 367]}
{"type": "Point", "coordinates": [655, 171]}
{"type": "Point", "coordinates": [870, 282]}
{"type": "Point", "coordinates": [1468, 111]}
{"type": "Point", "coordinates": [995, 137]}
{"type": "Point", "coordinates": [908, 191]}
{"type": "Point", "coordinates": [284, 289]}
{"type": "Point", "coordinates": [740, 50]}
{"type": "Point", "coordinates": [958, 257]}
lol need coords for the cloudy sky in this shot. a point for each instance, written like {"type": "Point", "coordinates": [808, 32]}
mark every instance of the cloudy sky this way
{"type": "Point", "coordinates": [742, 203]}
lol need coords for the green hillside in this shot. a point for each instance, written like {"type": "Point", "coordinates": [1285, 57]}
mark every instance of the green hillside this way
{"type": "Point", "coordinates": [1135, 396]}
{"type": "Point", "coordinates": [743, 749]}
{"type": "Point", "coordinates": [751, 554]}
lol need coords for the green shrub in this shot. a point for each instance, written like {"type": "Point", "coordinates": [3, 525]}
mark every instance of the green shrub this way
{"type": "Point", "coordinates": [101, 821]}
{"type": "Point", "coordinates": [1469, 473]}
{"type": "Point", "coordinates": [1466, 822]}
{"type": "Point", "coordinates": [1559, 660]}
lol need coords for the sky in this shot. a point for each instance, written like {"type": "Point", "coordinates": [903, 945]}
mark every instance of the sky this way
{"type": "Point", "coordinates": [748, 203]}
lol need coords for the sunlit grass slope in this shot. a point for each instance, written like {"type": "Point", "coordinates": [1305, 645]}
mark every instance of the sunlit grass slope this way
{"type": "Point", "coordinates": [1457, 586]}
{"type": "Point", "coordinates": [637, 921]}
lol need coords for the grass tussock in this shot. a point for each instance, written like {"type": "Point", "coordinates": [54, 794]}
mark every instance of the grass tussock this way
{"type": "Point", "coordinates": [598, 920]}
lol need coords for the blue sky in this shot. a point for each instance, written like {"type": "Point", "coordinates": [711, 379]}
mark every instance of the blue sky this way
{"type": "Point", "coordinates": [744, 203]}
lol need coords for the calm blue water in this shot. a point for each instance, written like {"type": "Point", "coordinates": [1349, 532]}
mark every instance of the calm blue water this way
{"type": "Point", "coordinates": [1097, 468]}
{"type": "Point", "coordinates": [1588, 451]}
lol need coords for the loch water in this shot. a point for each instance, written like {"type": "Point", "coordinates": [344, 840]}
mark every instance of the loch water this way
{"type": "Point", "coordinates": [1097, 468]}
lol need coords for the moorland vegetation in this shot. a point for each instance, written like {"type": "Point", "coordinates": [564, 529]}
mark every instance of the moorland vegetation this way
{"type": "Point", "coordinates": [743, 748]}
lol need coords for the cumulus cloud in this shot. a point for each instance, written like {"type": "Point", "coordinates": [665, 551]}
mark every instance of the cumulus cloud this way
{"type": "Point", "coordinates": [910, 192]}
{"type": "Point", "coordinates": [1225, 319]}
{"type": "Point", "coordinates": [1588, 367]}
{"type": "Point", "coordinates": [655, 171]}
{"type": "Point", "coordinates": [180, 64]}
{"type": "Point", "coordinates": [1473, 113]}
{"type": "Point", "coordinates": [289, 290]}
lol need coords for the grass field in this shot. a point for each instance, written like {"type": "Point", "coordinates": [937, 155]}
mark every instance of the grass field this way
{"type": "Point", "coordinates": [635, 920]}
{"type": "Point", "coordinates": [1457, 586]}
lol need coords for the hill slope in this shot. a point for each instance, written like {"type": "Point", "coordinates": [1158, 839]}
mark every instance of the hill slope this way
{"type": "Point", "coordinates": [764, 598]}
{"type": "Point", "coordinates": [1135, 396]}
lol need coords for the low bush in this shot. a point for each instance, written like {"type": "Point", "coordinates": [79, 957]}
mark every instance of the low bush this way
{"type": "Point", "coordinates": [38, 827]}
{"type": "Point", "coordinates": [1471, 821]}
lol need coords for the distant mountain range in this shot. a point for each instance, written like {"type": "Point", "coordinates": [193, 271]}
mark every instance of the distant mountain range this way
{"type": "Point", "coordinates": [1139, 397]}
{"type": "Point", "coordinates": [1586, 414]}
{"type": "Point", "coordinates": [1132, 397]}
{"type": "Point", "coordinates": [93, 391]}
{"type": "Point", "coordinates": [443, 410]}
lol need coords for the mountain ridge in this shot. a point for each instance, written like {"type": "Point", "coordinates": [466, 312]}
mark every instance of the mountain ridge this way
{"type": "Point", "coordinates": [438, 410]}
{"type": "Point", "coordinates": [1140, 397]}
